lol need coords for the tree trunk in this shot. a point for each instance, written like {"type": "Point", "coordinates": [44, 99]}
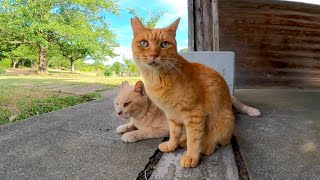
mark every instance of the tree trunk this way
{"type": "Point", "coordinates": [14, 64]}
{"type": "Point", "coordinates": [42, 65]}
{"type": "Point", "coordinates": [72, 67]}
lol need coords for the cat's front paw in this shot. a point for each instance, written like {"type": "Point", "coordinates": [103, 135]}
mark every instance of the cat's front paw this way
{"type": "Point", "coordinates": [253, 111]}
{"type": "Point", "coordinates": [128, 137]}
{"type": "Point", "coordinates": [188, 161]}
{"type": "Point", "coordinates": [208, 149]}
{"type": "Point", "coordinates": [166, 147]}
{"type": "Point", "coordinates": [121, 129]}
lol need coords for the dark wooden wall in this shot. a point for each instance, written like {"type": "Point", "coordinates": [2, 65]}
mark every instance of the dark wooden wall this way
{"type": "Point", "coordinates": [277, 43]}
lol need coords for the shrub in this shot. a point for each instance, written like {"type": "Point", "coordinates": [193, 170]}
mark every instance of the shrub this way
{"type": "Point", "coordinates": [5, 63]}
{"type": "Point", "coordinates": [2, 70]}
{"type": "Point", "coordinates": [108, 72]}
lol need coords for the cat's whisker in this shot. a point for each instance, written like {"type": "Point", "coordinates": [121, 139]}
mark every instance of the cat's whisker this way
{"type": "Point", "coordinates": [166, 67]}
{"type": "Point", "coordinates": [172, 67]}
{"type": "Point", "coordinates": [169, 69]}
{"type": "Point", "coordinates": [176, 68]}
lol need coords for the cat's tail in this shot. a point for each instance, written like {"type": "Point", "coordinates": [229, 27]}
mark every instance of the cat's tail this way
{"type": "Point", "coordinates": [244, 109]}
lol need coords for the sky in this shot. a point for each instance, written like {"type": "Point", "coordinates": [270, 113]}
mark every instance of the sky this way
{"type": "Point", "coordinates": [174, 9]}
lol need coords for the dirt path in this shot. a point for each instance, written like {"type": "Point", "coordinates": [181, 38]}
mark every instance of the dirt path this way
{"type": "Point", "coordinates": [12, 72]}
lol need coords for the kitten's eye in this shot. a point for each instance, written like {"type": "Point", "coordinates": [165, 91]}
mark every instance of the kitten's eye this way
{"type": "Point", "coordinates": [117, 104]}
{"type": "Point", "coordinates": [126, 104]}
{"type": "Point", "coordinates": [144, 43]}
{"type": "Point", "coordinates": [165, 44]}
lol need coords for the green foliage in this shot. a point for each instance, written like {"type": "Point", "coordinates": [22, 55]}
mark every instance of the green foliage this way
{"type": "Point", "coordinates": [99, 66]}
{"type": "Point", "coordinates": [117, 68]}
{"type": "Point", "coordinates": [24, 53]}
{"type": "Point", "coordinates": [151, 21]}
{"type": "Point", "coordinates": [2, 70]}
{"type": "Point", "coordinates": [78, 27]}
{"type": "Point", "coordinates": [4, 116]}
{"type": "Point", "coordinates": [108, 72]}
{"type": "Point", "coordinates": [55, 59]}
{"type": "Point", "coordinates": [85, 67]}
{"type": "Point", "coordinates": [131, 67]}
{"type": "Point", "coordinates": [5, 63]}
{"type": "Point", "coordinates": [184, 50]}
{"type": "Point", "coordinates": [53, 103]}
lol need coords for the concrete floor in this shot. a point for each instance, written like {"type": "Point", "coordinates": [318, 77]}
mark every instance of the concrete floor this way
{"type": "Point", "coordinates": [284, 142]}
{"type": "Point", "coordinates": [80, 143]}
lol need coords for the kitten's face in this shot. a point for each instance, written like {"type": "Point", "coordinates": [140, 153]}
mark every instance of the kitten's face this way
{"type": "Point", "coordinates": [153, 48]}
{"type": "Point", "coordinates": [130, 101]}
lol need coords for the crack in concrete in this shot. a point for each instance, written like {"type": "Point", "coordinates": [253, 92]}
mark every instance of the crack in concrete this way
{"type": "Point", "coordinates": [151, 165]}
{"type": "Point", "coordinates": [242, 170]}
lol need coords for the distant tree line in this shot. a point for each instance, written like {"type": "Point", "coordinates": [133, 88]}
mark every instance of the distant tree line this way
{"type": "Point", "coordinates": [128, 68]}
{"type": "Point", "coordinates": [44, 33]}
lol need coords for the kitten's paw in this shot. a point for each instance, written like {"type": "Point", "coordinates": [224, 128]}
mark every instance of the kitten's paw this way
{"type": "Point", "coordinates": [188, 161]}
{"type": "Point", "coordinates": [128, 137]}
{"type": "Point", "coordinates": [183, 143]}
{"type": "Point", "coordinates": [253, 111]}
{"type": "Point", "coordinates": [208, 149]}
{"type": "Point", "coordinates": [121, 129]}
{"type": "Point", "coordinates": [165, 147]}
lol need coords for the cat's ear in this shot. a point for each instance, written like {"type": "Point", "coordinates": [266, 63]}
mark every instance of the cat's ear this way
{"type": "Point", "coordinates": [173, 27]}
{"type": "Point", "coordinates": [137, 26]}
{"type": "Point", "coordinates": [139, 88]}
{"type": "Point", "coordinates": [124, 84]}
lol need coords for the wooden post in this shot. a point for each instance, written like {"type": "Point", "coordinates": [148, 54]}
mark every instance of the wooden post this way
{"type": "Point", "coordinates": [191, 25]}
{"type": "Point", "coordinates": [215, 25]}
{"type": "Point", "coordinates": [203, 25]}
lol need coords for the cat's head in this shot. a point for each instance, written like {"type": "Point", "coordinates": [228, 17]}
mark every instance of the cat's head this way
{"type": "Point", "coordinates": [154, 48]}
{"type": "Point", "coordinates": [131, 101]}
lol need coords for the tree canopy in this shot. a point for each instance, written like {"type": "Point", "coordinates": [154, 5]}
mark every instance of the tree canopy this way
{"type": "Point", "coordinates": [151, 21]}
{"type": "Point", "coordinates": [77, 27]}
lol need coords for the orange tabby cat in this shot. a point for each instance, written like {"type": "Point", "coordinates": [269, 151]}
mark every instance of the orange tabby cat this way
{"type": "Point", "coordinates": [146, 119]}
{"type": "Point", "coordinates": [192, 95]}
{"type": "Point", "coordinates": [132, 102]}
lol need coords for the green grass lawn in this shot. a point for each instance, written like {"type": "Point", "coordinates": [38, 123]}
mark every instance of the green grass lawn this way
{"type": "Point", "coordinates": [23, 96]}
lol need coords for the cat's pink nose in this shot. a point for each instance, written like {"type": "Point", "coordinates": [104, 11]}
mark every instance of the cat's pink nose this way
{"type": "Point", "coordinates": [154, 55]}
{"type": "Point", "coordinates": [119, 113]}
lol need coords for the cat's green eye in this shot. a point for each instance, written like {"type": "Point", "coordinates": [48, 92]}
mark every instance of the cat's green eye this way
{"type": "Point", "coordinates": [165, 44]}
{"type": "Point", "coordinates": [126, 104]}
{"type": "Point", "coordinates": [144, 43]}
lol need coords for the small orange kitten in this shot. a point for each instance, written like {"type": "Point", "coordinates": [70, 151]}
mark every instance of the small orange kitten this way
{"type": "Point", "coordinates": [146, 119]}
{"type": "Point", "coordinates": [193, 96]}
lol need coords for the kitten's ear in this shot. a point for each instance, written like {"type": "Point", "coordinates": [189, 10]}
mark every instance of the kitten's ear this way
{"type": "Point", "coordinates": [139, 88]}
{"type": "Point", "coordinates": [137, 26]}
{"type": "Point", "coordinates": [124, 84]}
{"type": "Point", "coordinates": [174, 26]}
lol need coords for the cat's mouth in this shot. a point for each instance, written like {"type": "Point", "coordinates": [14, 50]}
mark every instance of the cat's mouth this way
{"type": "Point", "coordinates": [153, 64]}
